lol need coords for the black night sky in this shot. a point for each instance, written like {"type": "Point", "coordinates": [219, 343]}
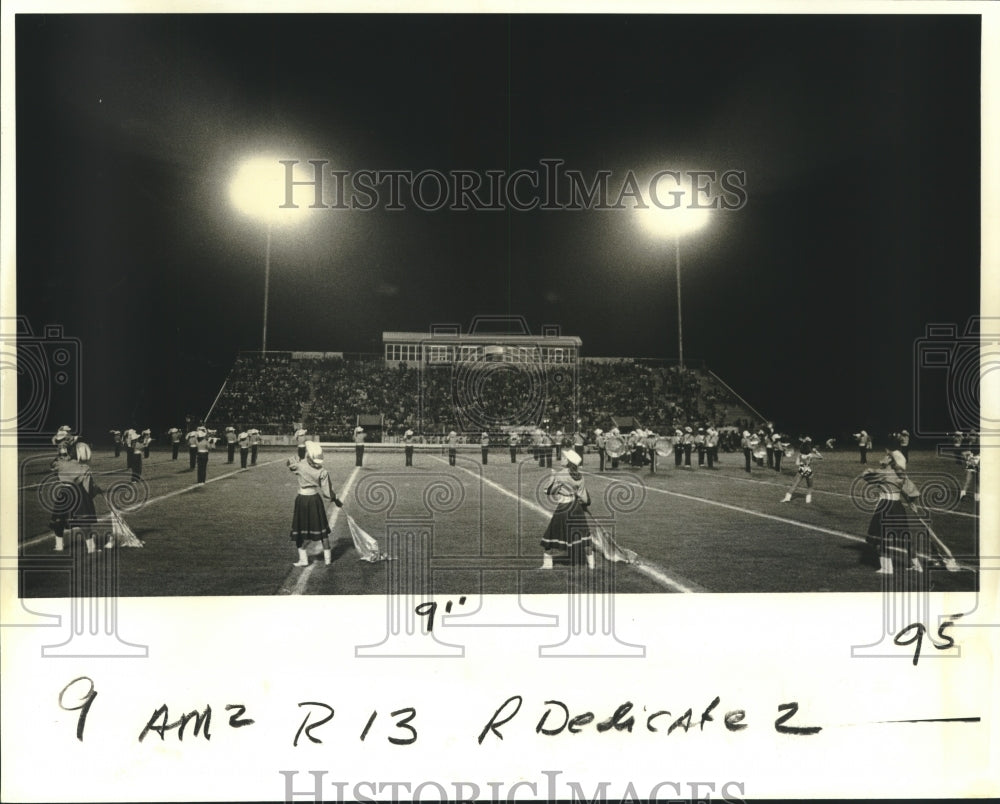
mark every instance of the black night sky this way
{"type": "Point", "coordinates": [859, 137]}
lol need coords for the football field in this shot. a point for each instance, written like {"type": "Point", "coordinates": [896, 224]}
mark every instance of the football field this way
{"type": "Point", "coordinates": [474, 528]}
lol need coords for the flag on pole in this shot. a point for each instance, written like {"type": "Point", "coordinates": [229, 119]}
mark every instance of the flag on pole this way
{"type": "Point", "coordinates": [609, 548]}
{"type": "Point", "coordinates": [122, 534]}
{"type": "Point", "coordinates": [364, 543]}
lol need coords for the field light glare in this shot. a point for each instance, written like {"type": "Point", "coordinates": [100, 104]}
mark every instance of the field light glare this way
{"type": "Point", "coordinates": [679, 219]}
{"type": "Point", "coordinates": [258, 189]}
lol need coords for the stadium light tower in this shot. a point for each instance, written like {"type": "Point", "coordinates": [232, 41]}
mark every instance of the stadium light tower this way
{"type": "Point", "coordinates": [258, 190]}
{"type": "Point", "coordinates": [678, 219]}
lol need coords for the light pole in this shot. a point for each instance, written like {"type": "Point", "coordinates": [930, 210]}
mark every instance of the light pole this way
{"type": "Point", "coordinates": [674, 222]}
{"type": "Point", "coordinates": [258, 190]}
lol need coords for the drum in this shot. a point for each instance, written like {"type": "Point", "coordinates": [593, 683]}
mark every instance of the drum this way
{"type": "Point", "coordinates": [614, 446]}
{"type": "Point", "coordinates": [664, 446]}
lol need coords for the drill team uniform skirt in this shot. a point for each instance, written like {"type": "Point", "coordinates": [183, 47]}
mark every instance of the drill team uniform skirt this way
{"type": "Point", "coordinates": [309, 519]}
{"type": "Point", "coordinates": [568, 530]}
{"type": "Point", "coordinates": [893, 526]}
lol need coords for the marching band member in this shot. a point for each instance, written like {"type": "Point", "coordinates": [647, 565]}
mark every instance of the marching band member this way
{"type": "Point", "coordinates": [484, 444]}
{"type": "Point", "coordinates": [309, 519]}
{"type": "Point", "coordinates": [140, 446]}
{"type": "Point", "coordinates": [830, 442]}
{"type": "Point", "coordinates": [600, 441]}
{"type": "Point", "coordinates": [971, 462]}
{"type": "Point", "coordinates": [568, 529]}
{"type": "Point", "coordinates": [513, 443]}
{"type": "Point", "coordinates": [231, 444]}
{"type": "Point", "coordinates": [651, 439]}
{"type": "Point", "coordinates": [892, 521]}
{"type": "Point", "coordinates": [678, 447]}
{"type": "Point", "coordinates": [300, 442]}
{"type": "Point", "coordinates": [688, 446]}
{"type": "Point", "coordinates": [864, 444]}
{"type": "Point", "coordinates": [192, 439]}
{"type": "Point", "coordinates": [255, 441]}
{"type": "Point", "coordinates": [408, 447]}
{"type": "Point", "coordinates": [359, 445]}
{"type": "Point", "coordinates": [803, 462]}
{"type": "Point", "coordinates": [203, 444]}
{"type": "Point", "coordinates": [578, 442]}
{"type": "Point", "coordinates": [558, 443]}
{"type": "Point", "coordinates": [616, 434]}
{"type": "Point", "coordinates": [147, 438]}
{"type": "Point", "coordinates": [243, 439]}
{"type": "Point", "coordinates": [747, 444]}
{"type": "Point", "coordinates": [904, 443]}
{"type": "Point", "coordinates": [547, 448]}
{"type": "Point", "coordinates": [699, 445]}
{"type": "Point", "coordinates": [712, 445]}
{"type": "Point", "coordinates": [769, 443]}
{"type": "Point", "coordinates": [175, 441]}
{"type": "Point", "coordinates": [116, 436]}
{"type": "Point", "coordinates": [452, 441]}
{"type": "Point", "coordinates": [777, 451]}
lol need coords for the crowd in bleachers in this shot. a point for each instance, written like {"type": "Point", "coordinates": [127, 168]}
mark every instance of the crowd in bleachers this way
{"type": "Point", "coordinates": [327, 395]}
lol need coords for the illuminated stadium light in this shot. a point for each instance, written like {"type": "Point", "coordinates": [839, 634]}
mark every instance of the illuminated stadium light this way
{"type": "Point", "coordinates": [258, 190]}
{"type": "Point", "coordinates": [677, 214]}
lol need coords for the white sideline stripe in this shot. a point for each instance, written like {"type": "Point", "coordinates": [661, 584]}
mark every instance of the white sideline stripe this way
{"type": "Point", "coordinates": [805, 525]}
{"type": "Point", "coordinates": [151, 500]}
{"type": "Point", "coordinates": [303, 579]}
{"type": "Point", "coordinates": [652, 572]}
{"type": "Point", "coordinates": [821, 491]}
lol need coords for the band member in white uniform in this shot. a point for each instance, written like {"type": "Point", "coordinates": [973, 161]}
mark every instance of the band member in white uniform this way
{"type": "Point", "coordinates": [484, 444]}
{"type": "Point", "coordinates": [359, 445]}
{"type": "Point", "coordinates": [231, 444]}
{"type": "Point", "coordinates": [408, 447]}
{"type": "Point", "coordinates": [243, 439]}
{"type": "Point", "coordinates": [192, 439]}
{"type": "Point", "coordinates": [452, 447]}
{"type": "Point", "coordinates": [513, 443]}
{"type": "Point", "coordinates": [600, 442]}
{"type": "Point", "coordinates": [175, 441]}
{"type": "Point", "coordinates": [255, 442]}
